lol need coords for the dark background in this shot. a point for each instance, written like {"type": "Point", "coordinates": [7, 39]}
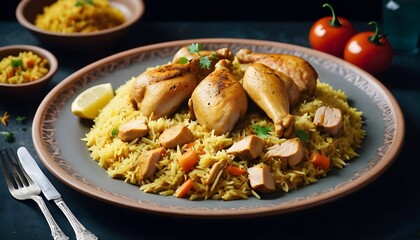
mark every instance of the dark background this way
{"type": "Point", "coordinates": [243, 10]}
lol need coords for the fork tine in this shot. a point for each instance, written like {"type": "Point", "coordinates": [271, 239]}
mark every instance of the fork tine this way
{"type": "Point", "coordinates": [28, 179]}
{"type": "Point", "coordinates": [17, 172]}
{"type": "Point", "coordinates": [5, 170]}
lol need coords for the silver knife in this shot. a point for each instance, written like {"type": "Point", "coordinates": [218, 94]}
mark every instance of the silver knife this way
{"type": "Point", "coordinates": [49, 191]}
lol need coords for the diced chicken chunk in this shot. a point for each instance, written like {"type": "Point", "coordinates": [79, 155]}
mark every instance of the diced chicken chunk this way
{"type": "Point", "coordinates": [330, 120]}
{"type": "Point", "coordinates": [248, 148]}
{"type": "Point", "coordinates": [146, 162]}
{"type": "Point", "coordinates": [261, 179]}
{"type": "Point", "coordinates": [176, 135]}
{"type": "Point", "coordinates": [133, 129]}
{"type": "Point", "coordinates": [290, 150]}
{"type": "Point", "coordinates": [215, 170]}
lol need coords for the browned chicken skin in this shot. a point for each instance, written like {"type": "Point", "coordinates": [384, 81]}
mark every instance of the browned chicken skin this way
{"type": "Point", "coordinates": [159, 91]}
{"type": "Point", "coordinates": [219, 101]}
{"type": "Point", "coordinates": [266, 89]}
{"type": "Point", "coordinates": [295, 67]}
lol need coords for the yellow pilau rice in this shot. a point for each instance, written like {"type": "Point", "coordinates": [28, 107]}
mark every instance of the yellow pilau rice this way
{"type": "Point", "coordinates": [120, 158]}
{"type": "Point", "coordinates": [24, 68]}
{"type": "Point", "coordinates": [76, 16]}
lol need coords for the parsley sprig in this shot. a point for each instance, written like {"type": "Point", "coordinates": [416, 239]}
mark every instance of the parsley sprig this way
{"type": "Point", "coordinates": [205, 61]}
{"type": "Point", "coordinates": [114, 132]}
{"type": "Point", "coordinates": [20, 119]}
{"type": "Point", "coordinates": [8, 136]}
{"type": "Point", "coordinates": [302, 135]}
{"type": "Point", "coordinates": [262, 132]}
{"type": "Point", "coordinates": [17, 63]}
{"type": "Point", "coordinates": [80, 3]}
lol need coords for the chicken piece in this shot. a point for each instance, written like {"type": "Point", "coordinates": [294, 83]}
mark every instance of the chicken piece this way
{"type": "Point", "coordinates": [176, 135]}
{"type": "Point", "coordinates": [160, 91]}
{"type": "Point", "coordinates": [146, 162]}
{"type": "Point", "coordinates": [301, 71]}
{"type": "Point", "coordinates": [330, 120]}
{"type": "Point", "coordinates": [135, 128]}
{"type": "Point", "coordinates": [223, 53]}
{"type": "Point", "coordinates": [248, 148]}
{"type": "Point", "coordinates": [261, 179]}
{"type": "Point", "coordinates": [215, 170]}
{"type": "Point", "coordinates": [290, 150]}
{"type": "Point", "coordinates": [266, 89]}
{"type": "Point", "coordinates": [219, 101]}
{"type": "Point", "coordinates": [293, 91]}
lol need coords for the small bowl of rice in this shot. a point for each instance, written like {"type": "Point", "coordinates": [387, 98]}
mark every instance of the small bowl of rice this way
{"type": "Point", "coordinates": [25, 71]}
{"type": "Point", "coordinates": [79, 24]}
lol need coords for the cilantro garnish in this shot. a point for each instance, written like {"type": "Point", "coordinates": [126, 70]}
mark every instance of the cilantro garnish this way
{"type": "Point", "coordinates": [80, 3]}
{"type": "Point", "coordinates": [205, 61]}
{"type": "Point", "coordinates": [261, 131]}
{"type": "Point", "coordinates": [17, 63]}
{"type": "Point", "coordinates": [20, 119]}
{"type": "Point", "coordinates": [302, 135]}
{"type": "Point", "coordinates": [8, 135]}
{"type": "Point", "coordinates": [183, 60]}
{"type": "Point", "coordinates": [114, 132]}
{"type": "Point", "coordinates": [195, 47]}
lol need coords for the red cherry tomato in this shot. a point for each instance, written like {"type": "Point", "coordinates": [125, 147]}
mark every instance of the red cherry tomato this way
{"type": "Point", "coordinates": [370, 51]}
{"type": "Point", "coordinates": [330, 34]}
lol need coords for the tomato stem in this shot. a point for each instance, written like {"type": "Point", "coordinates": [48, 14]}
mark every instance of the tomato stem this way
{"type": "Point", "coordinates": [376, 37]}
{"type": "Point", "coordinates": [335, 22]}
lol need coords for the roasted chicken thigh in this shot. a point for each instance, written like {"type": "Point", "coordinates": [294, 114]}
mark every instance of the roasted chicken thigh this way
{"type": "Point", "coordinates": [219, 101]}
{"type": "Point", "coordinates": [295, 67]}
{"type": "Point", "coordinates": [160, 91]}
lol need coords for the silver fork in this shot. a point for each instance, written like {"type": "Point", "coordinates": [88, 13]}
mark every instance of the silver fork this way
{"type": "Point", "coordinates": [24, 188]}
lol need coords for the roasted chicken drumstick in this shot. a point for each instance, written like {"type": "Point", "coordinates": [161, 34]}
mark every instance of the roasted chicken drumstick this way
{"type": "Point", "coordinates": [268, 91]}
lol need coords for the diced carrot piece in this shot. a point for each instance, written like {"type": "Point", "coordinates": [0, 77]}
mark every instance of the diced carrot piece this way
{"type": "Point", "coordinates": [235, 171]}
{"type": "Point", "coordinates": [320, 160]}
{"type": "Point", "coordinates": [189, 145]}
{"type": "Point", "coordinates": [201, 152]}
{"type": "Point", "coordinates": [183, 190]}
{"type": "Point", "coordinates": [30, 63]}
{"type": "Point", "coordinates": [188, 160]}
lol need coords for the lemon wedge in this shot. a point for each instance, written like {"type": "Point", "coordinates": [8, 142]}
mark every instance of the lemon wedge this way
{"type": "Point", "coordinates": [92, 100]}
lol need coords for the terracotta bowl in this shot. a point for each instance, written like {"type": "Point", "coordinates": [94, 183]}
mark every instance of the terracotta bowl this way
{"type": "Point", "coordinates": [27, 90]}
{"type": "Point", "coordinates": [27, 11]}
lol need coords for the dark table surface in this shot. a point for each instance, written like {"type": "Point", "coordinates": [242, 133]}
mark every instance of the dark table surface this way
{"type": "Point", "coordinates": [388, 208]}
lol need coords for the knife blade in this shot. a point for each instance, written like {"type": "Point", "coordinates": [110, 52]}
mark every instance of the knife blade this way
{"type": "Point", "coordinates": [32, 169]}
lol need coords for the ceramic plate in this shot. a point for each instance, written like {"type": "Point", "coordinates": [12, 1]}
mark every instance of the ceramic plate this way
{"type": "Point", "coordinates": [57, 133]}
